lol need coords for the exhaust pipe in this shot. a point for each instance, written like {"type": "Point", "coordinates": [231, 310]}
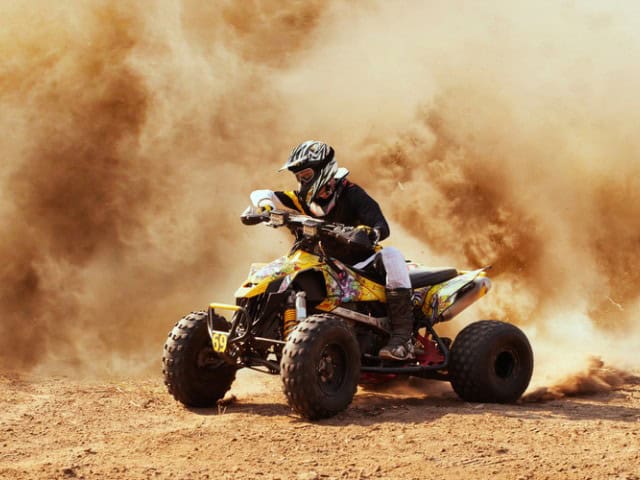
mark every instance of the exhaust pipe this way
{"type": "Point", "coordinates": [479, 287]}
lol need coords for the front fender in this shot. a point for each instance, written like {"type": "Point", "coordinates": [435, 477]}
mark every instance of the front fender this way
{"type": "Point", "coordinates": [287, 267]}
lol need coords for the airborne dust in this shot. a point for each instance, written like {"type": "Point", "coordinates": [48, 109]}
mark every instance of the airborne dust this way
{"type": "Point", "coordinates": [492, 134]}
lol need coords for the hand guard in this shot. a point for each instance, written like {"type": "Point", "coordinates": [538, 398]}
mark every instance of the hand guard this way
{"type": "Point", "coordinates": [251, 216]}
{"type": "Point", "coordinates": [266, 205]}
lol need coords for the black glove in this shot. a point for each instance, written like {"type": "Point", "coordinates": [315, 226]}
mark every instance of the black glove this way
{"type": "Point", "coordinates": [363, 236]}
{"type": "Point", "coordinates": [372, 233]}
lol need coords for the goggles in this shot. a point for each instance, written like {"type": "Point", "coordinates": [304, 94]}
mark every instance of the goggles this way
{"type": "Point", "coordinates": [305, 176]}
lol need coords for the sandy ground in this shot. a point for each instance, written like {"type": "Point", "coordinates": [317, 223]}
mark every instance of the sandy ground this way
{"type": "Point", "coordinates": [68, 428]}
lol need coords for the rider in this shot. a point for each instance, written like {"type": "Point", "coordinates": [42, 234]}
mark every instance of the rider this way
{"type": "Point", "coordinates": [325, 192]}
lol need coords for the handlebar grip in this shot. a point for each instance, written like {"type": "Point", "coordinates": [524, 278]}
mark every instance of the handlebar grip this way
{"type": "Point", "coordinates": [252, 216]}
{"type": "Point", "coordinates": [251, 219]}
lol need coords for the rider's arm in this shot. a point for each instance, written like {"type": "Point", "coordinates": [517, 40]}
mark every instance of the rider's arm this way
{"type": "Point", "coordinates": [368, 211]}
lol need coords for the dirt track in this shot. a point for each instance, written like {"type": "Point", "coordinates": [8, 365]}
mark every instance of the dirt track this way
{"type": "Point", "coordinates": [66, 428]}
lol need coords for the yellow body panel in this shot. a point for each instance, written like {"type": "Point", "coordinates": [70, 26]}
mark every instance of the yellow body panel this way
{"type": "Point", "coordinates": [261, 275]}
{"type": "Point", "coordinates": [371, 291]}
{"type": "Point", "coordinates": [351, 288]}
{"type": "Point", "coordinates": [348, 287]}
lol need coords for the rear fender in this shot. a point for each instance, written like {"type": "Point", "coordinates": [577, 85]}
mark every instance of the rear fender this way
{"type": "Point", "coordinates": [454, 295]}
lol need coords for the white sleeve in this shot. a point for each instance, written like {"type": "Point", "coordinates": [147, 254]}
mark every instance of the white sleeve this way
{"type": "Point", "coordinates": [261, 198]}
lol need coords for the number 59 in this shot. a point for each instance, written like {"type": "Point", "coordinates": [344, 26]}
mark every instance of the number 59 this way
{"type": "Point", "coordinates": [219, 342]}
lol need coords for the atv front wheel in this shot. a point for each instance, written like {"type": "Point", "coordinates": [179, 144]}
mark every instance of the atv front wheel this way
{"type": "Point", "coordinates": [194, 374]}
{"type": "Point", "coordinates": [320, 367]}
{"type": "Point", "coordinates": [491, 362]}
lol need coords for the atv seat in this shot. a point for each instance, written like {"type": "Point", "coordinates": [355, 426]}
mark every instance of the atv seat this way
{"type": "Point", "coordinates": [430, 276]}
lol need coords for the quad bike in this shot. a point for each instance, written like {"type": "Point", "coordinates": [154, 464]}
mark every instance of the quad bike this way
{"type": "Point", "coordinates": [320, 323]}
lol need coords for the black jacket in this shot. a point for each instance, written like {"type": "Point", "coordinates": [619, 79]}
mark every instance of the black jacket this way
{"type": "Point", "coordinates": [353, 207]}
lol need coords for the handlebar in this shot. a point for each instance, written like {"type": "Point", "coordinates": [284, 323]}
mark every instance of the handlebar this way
{"type": "Point", "coordinates": [309, 227]}
{"type": "Point", "coordinates": [249, 217]}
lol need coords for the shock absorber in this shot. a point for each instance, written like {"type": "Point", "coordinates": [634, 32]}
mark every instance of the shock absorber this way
{"type": "Point", "coordinates": [301, 306]}
{"type": "Point", "coordinates": [295, 311]}
{"type": "Point", "coordinates": [289, 316]}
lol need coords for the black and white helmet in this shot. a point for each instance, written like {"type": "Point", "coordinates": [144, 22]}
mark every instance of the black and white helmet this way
{"type": "Point", "coordinates": [314, 165]}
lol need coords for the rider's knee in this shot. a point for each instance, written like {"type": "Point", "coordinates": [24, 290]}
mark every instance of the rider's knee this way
{"type": "Point", "coordinates": [397, 274]}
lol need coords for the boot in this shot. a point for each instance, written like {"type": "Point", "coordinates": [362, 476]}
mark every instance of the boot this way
{"type": "Point", "coordinates": [400, 306]}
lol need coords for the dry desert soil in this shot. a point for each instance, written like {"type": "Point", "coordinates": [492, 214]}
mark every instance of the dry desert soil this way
{"type": "Point", "coordinates": [69, 428]}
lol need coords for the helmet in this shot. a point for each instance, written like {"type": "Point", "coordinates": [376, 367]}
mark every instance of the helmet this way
{"type": "Point", "coordinates": [314, 165]}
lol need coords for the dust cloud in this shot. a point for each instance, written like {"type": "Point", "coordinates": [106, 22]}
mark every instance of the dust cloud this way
{"type": "Point", "coordinates": [489, 134]}
{"type": "Point", "coordinates": [596, 378]}
{"type": "Point", "coordinates": [131, 143]}
{"type": "Point", "coordinates": [519, 152]}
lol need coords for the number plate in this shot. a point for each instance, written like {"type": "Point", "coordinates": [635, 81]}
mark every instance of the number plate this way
{"type": "Point", "coordinates": [219, 341]}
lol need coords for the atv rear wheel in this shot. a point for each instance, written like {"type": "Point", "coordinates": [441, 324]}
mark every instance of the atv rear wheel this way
{"type": "Point", "coordinates": [320, 367]}
{"type": "Point", "coordinates": [491, 361]}
{"type": "Point", "coordinates": [194, 374]}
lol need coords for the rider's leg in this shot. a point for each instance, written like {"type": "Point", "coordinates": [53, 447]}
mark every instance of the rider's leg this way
{"type": "Point", "coordinates": [399, 304]}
